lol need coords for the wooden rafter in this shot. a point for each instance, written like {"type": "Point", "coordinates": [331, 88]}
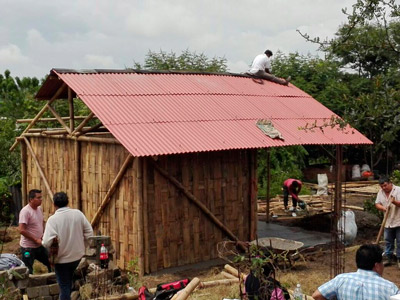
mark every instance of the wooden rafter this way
{"type": "Point", "coordinates": [86, 130]}
{"type": "Point", "coordinates": [42, 175]}
{"type": "Point", "coordinates": [199, 204]}
{"type": "Point", "coordinates": [80, 138]}
{"type": "Point", "coordinates": [41, 112]}
{"type": "Point", "coordinates": [83, 123]}
{"type": "Point", "coordinates": [50, 119]}
{"type": "Point", "coordinates": [59, 119]}
{"type": "Point", "coordinates": [111, 190]}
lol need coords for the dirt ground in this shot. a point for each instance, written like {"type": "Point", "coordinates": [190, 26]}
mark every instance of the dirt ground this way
{"type": "Point", "coordinates": [311, 272]}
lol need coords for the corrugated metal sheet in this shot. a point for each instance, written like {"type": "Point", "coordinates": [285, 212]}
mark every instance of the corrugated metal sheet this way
{"type": "Point", "coordinates": [169, 113]}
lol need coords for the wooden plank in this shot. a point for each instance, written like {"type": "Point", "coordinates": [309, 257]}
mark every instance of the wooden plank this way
{"type": "Point", "coordinates": [111, 190]}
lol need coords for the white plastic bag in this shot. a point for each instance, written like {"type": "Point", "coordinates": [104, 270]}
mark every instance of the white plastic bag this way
{"type": "Point", "coordinates": [347, 227]}
{"type": "Point", "coordinates": [355, 172]}
{"type": "Point", "coordinates": [322, 184]}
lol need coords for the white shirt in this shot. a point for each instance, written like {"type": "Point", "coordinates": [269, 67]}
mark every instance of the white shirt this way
{"type": "Point", "coordinates": [261, 62]}
{"type": "Point", "coordinates": [393, 219]}
{"type": "Point", "coordinates": [72, 229]}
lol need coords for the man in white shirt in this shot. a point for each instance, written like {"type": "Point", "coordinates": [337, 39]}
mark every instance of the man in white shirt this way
{"type": "Point", "coordinates": [261, 67]}
{"type": "Point", "coordinates": [389, 195]}
{"type": "Point", "coordinates": [72, 230]}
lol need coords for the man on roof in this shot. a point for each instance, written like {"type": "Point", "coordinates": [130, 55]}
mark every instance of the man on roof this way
{"type": "Point", "coordinates": [261, 67]}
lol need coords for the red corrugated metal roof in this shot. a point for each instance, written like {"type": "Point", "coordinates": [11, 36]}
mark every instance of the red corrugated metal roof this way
{"type": "Point", "coordinates": [168, 113]}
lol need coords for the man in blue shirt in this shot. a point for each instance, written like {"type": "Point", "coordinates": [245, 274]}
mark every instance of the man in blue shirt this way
{"type": "Point", "coordinates": [366, 283]}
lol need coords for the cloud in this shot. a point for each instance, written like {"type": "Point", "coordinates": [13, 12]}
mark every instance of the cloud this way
{"type": "Point", "coordinates": [11, 54]}
{"type": "Point", "coordinates": [100, 61]}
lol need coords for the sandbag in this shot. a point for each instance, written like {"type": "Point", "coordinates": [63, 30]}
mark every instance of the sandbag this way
{"type": "Point", "coordinates": [322, 184]}
{"type": "Point", "coordinates": [347, 227]}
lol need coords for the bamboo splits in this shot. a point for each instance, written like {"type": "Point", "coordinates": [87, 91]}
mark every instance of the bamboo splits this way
{"type": "Point", "coordinates": [111, 190]}
{"type": "Point", "coordinates": [192, 198]}
{"type": "Point", "coordinates": [42, 175]}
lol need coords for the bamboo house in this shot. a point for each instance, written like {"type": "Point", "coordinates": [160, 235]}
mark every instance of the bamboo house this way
{"type": "Point", "coordinates": [164, 162]}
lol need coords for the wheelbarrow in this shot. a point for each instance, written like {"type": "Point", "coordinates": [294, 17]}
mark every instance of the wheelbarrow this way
{"type": "Point", "coordinates": [280, 249]}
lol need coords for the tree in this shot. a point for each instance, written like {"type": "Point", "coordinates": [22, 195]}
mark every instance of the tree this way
{"type": "Point", "coordinates": [187, 61]}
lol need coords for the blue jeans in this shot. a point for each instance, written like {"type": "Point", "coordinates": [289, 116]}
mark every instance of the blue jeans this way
{"type": "Point", "coordinates": [64, 274]}
{"type": "Point", "coordinates": [392, 234]}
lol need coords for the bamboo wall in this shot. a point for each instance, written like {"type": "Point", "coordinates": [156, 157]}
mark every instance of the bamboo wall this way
{"type": "Point", "coordinates": [175, 231]}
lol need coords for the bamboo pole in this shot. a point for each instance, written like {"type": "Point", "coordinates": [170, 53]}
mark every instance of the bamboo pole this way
{"type": "Point", "coordinates": [253, 197]}
{"type": "Point", "coordinates": [228, 275]}
{"type": "Point", "coordinates": [83, 131]}
{"type": "Point", "coordinates": [50, 119]}
{"type": "Point", "coordinates": [78, 178]}
{"type": "Point", "coordinates": [81, 138]}
{"type": "Point", "coordinates": [139, 197]}
{"type": "Point", "coordinates": [185, 293]}
{"type": "Point", "coordinates": [208, 284]}
{"type": "Point", "coordinates": [71, 111]}
{"type": "Point", "coordinates": [111, 190]}
{"type": "Point", "coordinates": [42, 175]}
{"type": "Point", "coordinates": [234, 272]}
{"type": "Point", "coordinates": [83, 123]}
{"type": "Point", "coordinates": [41, 112]}
{"type": "Point", "coordinates": [24, 176]}
{"type": "Point", "coordinates": [268, 184]}
{"type": "Point", "coordinates": [200, 205]}
{"type": "Point", "coordinates": [61, 121]}
{"type": "Point", "coordinates": [146, 218]}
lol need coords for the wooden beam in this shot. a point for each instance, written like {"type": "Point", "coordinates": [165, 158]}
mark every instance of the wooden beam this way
{"type": "Point", "coordinates": [42, 175]}
{"type": "Point", "coordinates": [107, 198]}
{"type": "Point", "coordinates": [78, 183]}
{"type": "Point", "coordinates": [49, 119]}
{"type": "Point", "coordinates": [59, 119]}
{"type": "Point", "coordinates": [192, 198]}
{"type": "Point", "coordinates": [83, 131]}
{"type": "Point", "coordinates": [71, 110]}
{"type": "Point", "coordinates": [252, 195]}
{"type": "Point", "coordinates": [41, 112]}
{"type": "Point", "coordinates": [83, 123]}
{"type": "Point", "coordinates": [268, 197]}
{"type": "Point", "coordinates": [146, 218]}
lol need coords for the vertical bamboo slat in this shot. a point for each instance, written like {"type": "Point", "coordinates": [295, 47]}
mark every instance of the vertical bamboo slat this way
{"type": "Point", "coordinates": [140, 224]}
{"type": "Point", "coordinates": [24, 183]}
{"type": "Point", "coordinates": [146, 219]}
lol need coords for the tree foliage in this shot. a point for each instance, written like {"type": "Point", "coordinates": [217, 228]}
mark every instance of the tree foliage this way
{"type": "Point", "coordinates": [187, 61]}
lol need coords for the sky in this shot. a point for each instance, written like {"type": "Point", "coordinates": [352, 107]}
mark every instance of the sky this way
{"type": "Point", "coordinates": [36, 36]}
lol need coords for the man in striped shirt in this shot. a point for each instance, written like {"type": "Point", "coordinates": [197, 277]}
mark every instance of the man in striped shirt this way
{"type": "Point", "coordinates": [366, 283]}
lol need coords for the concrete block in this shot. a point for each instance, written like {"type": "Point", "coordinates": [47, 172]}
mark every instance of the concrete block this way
{"type": "Point", "coordinates": [32, 292]}
{"type": "Point", "coordinates": [54, 289]}
{"type": "Point", "coordinates": [23, 271]}
{"type": "Point", "coordinates": [22, 284]}
{"type": "Point", "coordinates": [42, 279]}
{"type": "Point", "coordinates": [44, 290]}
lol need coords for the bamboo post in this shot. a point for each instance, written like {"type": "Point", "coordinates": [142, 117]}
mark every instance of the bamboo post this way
{"type": "Point", "coordinates": [83, 123]}
{"type": "Point", "coordinates": [383, 223]}
{"type": "Point", "coordinates": [146, 218]}
{"type": "Point", "coordinates": [41, 112]}
{"type": "Point", "coordinates": [49, 119]}
{"type": "Point", "coordinates": [59, 119]}
{"type": "Point", "coordinates": [200, 205]}
{"type": "Point", "coordinates": [42, 175]}
{"type": "Point", "coordinates": [228, 275]}
{"type": "Point", "coordinates": [71, 110]}
{"type": "Point", "coordinates": [234, 272]}
{"type": "Point", "coordinates": [139, 196]}
{"type": "Point", "coordinates": [83, 131]}
{"type": "Point", "coordinates": [24, 176]}
{"type": "Point", "coordinates": [111, 190]}
{"type": "Point", "coordinates": [208, 284]}
{"type": "Point", "coordinates": [253, 197]}
{"type": "Point", "coordinates": [268, 184]}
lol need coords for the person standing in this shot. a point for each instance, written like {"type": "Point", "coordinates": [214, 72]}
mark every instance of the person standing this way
{"type": "Point", "coordinates": [366, 283]}
{"type": "Point", "coordinates": [261, 67]}
{"type": "Point", "coordinates": [389, 195]}
{"type": "Point", "coordinates": [31, 229]}
{"type": "Point", "coordinates": [71, 228]}
{"type": "Point", "coordinates": [291, 187]}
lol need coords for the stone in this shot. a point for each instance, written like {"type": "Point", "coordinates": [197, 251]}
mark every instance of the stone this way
{"type": "Point", "coordinates": [32, 292]}
{"type": "Point", "coordinates": [42, 279]}
{"type": "Point", "coordinates": [75, 295]}
{"type": "Point", "coordinates": [45, 298]}
{"type": "Point", "coordinates": [22, 284]}
{"type": "Point", "coordinates": [54, 289]}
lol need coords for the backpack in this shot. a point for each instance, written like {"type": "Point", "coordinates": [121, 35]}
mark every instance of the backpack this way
{"type": "Point", "coordinates": [164, 291]}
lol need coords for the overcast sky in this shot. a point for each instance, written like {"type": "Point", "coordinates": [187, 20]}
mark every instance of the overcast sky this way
{"type": "Point", "coordinates": [36, 36]}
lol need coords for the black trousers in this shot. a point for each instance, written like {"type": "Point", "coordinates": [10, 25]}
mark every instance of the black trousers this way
{"type": "Point", "coordinates": [30, 254]}
{"type": "Point", "coordinates": [286, 197]}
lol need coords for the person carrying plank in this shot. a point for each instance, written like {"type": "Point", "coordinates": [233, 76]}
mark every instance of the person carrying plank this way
{"type": "Point", "coordinates": [389, 195]}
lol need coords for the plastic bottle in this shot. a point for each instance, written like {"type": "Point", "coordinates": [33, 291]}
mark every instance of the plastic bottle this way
{"type": "Point", "coordinates": [297, 293]}
{"type": "Point", "coordinates": [27, 254]}
{"type": "Point", "coordinates": [103, 257]}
